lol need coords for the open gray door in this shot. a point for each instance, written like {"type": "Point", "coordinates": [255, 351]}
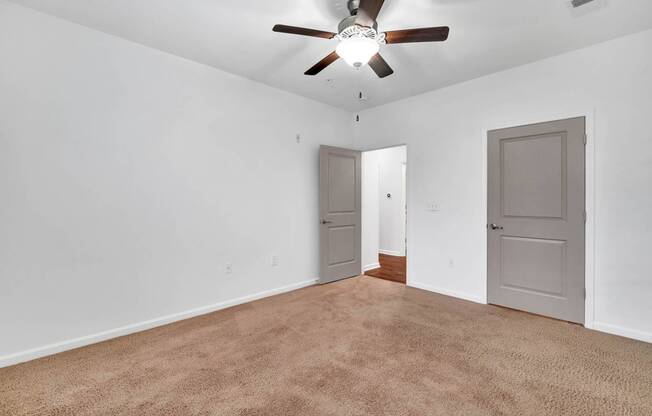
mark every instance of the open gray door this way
{"type": "Point", "coordinates": [339, 210]}
{"type": "Point", "coordinates": [536, 218]}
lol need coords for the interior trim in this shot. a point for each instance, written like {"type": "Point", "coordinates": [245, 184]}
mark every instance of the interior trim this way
{"type": "Point", "coordinates": [391, 253]}
{"type": "Point", "coordinates": [371, 266]}
{"type": "Point", "coordinates": [446, 292]}
{"type": "Point", "coordinates": [623, 331]}
{"type": "Point", "coordinates": [39, 352]}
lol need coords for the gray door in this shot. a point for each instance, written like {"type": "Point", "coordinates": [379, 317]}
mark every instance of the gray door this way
{"type": "Point", "coordinates": [339, 210]}
{"type": "Point", "coordinates": [536, 218]}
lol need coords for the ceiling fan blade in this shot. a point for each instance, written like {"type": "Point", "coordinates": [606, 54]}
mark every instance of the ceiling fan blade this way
{"type": "Point", "coordinates": [368, 12]}
{"type": "Point", "coordinates": [294, 30]}
{"type": "Point", "coordinates": [319, 66]}
{"type": "Point", "coordinates": [380, 67]}
{"type": "Point", "coordinates": [426, 34]}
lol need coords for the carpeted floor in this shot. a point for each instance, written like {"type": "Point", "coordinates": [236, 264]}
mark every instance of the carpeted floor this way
{"type": "Point", "coordinates": [358, 347]}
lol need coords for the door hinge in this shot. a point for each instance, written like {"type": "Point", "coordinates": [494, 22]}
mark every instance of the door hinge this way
{"type": "Point", "coordinates": [585, 139]}
{"type": "Point", "coordinates": [584, 215]}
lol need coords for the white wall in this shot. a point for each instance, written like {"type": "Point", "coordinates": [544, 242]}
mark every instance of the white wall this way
{"type": "Point", "coordinates": [392, 210]}
{"type": "Point", "coordinates": [445, 131]}
{"type": "Point", "coordinates": [130, 177]}
{"type": "Point", "coordinates": [370, 210]}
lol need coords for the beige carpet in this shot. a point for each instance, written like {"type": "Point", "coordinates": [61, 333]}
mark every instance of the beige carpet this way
{"type": "Point", "coordinates": [359, 347]}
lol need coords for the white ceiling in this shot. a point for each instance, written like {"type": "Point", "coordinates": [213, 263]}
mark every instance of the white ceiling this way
{"type": "Point", "coordinates": [236, 36]}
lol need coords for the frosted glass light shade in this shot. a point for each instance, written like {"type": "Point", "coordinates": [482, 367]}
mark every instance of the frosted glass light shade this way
{"type": "Point", "coordinates": [357, 50]}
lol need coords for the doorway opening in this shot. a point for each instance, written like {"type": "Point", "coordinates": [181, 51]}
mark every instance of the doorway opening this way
{"type": "Point", "coordinates": [384, 213]}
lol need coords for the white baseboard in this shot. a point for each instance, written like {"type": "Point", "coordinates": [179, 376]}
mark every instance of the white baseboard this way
{"type": "Point", "coordinates": [459, 295]}
{"type": "Point", "coordinates": [58, 347]}
{"type": "Point", "coordinates": [597, 326]}
{"type": "Point", "coordinates": [622, 331]}
{"type": "Point", "coordinates": [371, 266]}
{"type": "Point", "coordinates": [391, 253]}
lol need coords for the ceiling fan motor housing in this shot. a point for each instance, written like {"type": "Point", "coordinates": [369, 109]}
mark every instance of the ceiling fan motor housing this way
{"type": "Point", "coordinates": [350, 21]}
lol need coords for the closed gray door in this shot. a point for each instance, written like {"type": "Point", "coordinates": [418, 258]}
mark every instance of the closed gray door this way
{"type": "Point", "coordinates": [339, 190]}
{"type": "Point", "coordinates": [536, 218]}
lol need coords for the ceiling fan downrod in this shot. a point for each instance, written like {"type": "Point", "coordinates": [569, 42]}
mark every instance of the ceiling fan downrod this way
{"type": "Point", "coordinates": [353, 6]}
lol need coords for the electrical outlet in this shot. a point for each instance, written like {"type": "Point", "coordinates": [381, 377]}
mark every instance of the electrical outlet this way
{"type": "Point", "coordinates": [274, 261]}
{"type": "Point", "coordinates": [298, 138]}
{"type": "Point", "coordinates": [433, 206]}
{"type": "Point", "coordinates": [229, 268]}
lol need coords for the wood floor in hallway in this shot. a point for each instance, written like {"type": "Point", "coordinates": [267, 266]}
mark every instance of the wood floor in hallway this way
{"type": "Point", "coordinates": [392, 268]}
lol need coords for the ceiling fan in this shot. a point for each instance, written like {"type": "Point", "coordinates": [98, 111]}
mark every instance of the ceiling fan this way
{"type": "Point", "coordinates": [359, 39]}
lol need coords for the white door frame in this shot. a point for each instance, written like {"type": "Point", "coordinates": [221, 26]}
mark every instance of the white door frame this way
{"type": "Point", "coordinates": [589, 278]}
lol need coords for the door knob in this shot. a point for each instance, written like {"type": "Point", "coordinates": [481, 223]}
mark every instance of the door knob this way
{"type": "Point", "coordinates": [326, 222]}
{"type": "Point", "coordinates": [496, 227]}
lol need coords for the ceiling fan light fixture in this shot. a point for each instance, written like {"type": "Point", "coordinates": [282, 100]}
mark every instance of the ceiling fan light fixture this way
{"type": "Point", "coordinates": [359, 39]}
{"type": "Point", "coordinates": [357, 50]}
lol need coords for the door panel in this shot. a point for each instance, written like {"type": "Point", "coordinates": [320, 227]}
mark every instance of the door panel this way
{"type": "Point", "coordinates": [342, 183]}
{"type": "Point", "coordinates": [536, 201]}
{"type": "Point", "coordinates": [341, 245]}
{"type": "Point", "coordinates": [533, 265]}
{"type": "Point", "coordinates": [340, 199]}
{"type": "Point", "coordinates": [533, 176]}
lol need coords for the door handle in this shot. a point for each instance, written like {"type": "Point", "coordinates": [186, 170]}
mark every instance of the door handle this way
{"type": "Point", "coordinates": [496, 227]}
{"type": "Point", "coordinates": [326, 222]}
